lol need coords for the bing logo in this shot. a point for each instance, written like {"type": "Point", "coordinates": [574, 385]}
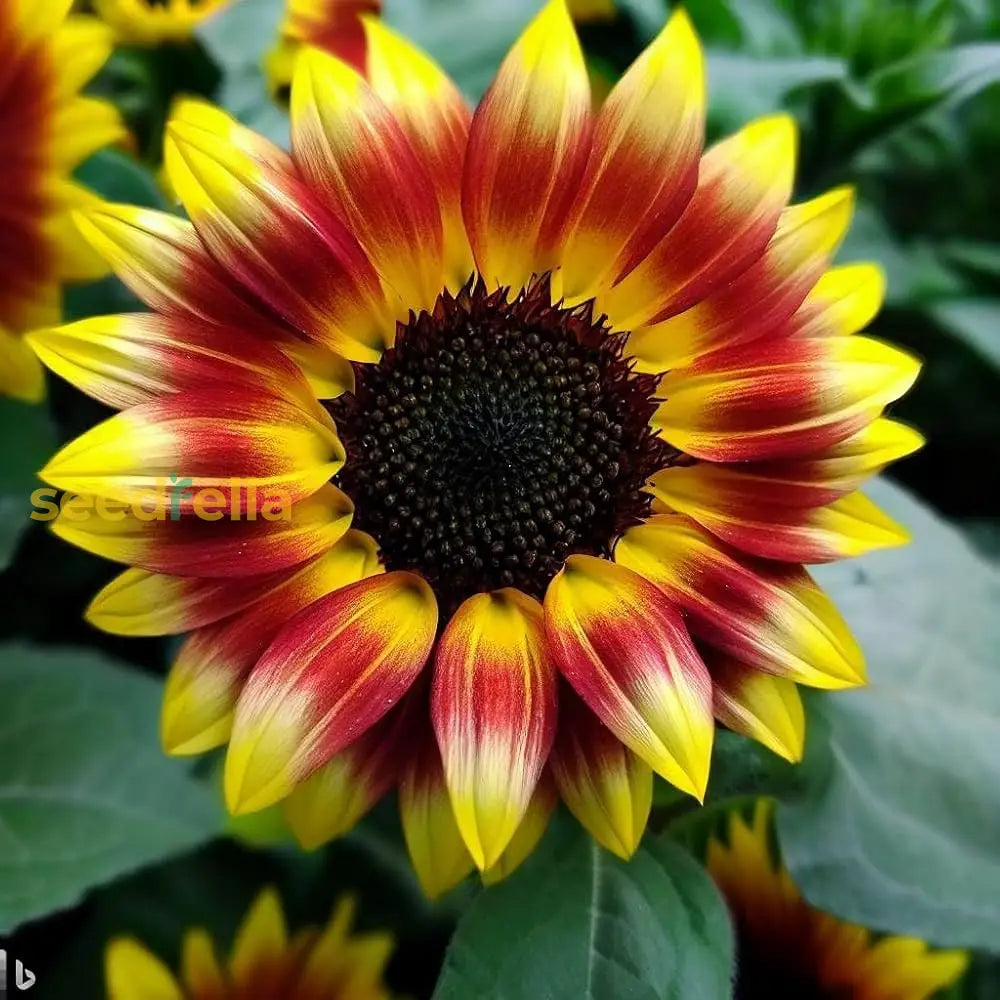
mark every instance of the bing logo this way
{"type": "Point", "coordinates": [24, 978]}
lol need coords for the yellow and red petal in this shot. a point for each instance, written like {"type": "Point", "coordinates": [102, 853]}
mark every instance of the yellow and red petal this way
{"type": "Point", "coordinates": [160, 258]}
{"type": "Point", "coordinates": [493, 705]}
{"type": "Point", "coordinates": [760, 705]}
{"type": "Point", "coordinates": [529, 832]}
{"type": "Point", "coordinates": [844, 466]}
{"type": "Point", "coordinates": [275, 235]}
{"type": "Point", "coordinates": [744, 183]}
{"type": "Point", "coordinates": [527, 152]}
{"type": "Point", "coordinates": [436, 119]}
{"type": "Point", "coordinates": [780, 398]}
{"type": "Point", "coordinates": [770, 615]}
{"type": "Point", "coordinates": [352, 150]}
{"type": "Point", "coordinates": [433, 840]}
{"type": "Point", "coordinates": [261, 959]}
{"type": "Point", "coordinates": [331, 801]}
{"type": "Point", "coordinates": [776, 519]}
{"type": "Point", "coordinates": [129, 359]}
{"type": "Point", "coordinates": [759, 301]}
{"type": "Point", "coordinates": [331, 673]}
{"type": "Point", "coordinates": [213, 663]}
{"type": "Point", "coordinates": [201, 971]}
{"type": "Point", "coordinates": [258, 451]}
{"type": "Point", "coordinates": [210, 546]}
{"type": "Point", "coordinates": [133, 972]}
{"type": "Point", "coordinates": [605, 785]}
{"type": "Point", "coordinates": [624, 648]}
{"type": "Point", "coordinates": [843, 301]}
{"type": "Point", "coordinates": [138, 602]}
{"type": "Point", "coordinates": [643, 164]}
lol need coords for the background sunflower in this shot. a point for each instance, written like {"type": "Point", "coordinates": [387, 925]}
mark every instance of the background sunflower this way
{"type": "Point", "coordinates": [889, 822]}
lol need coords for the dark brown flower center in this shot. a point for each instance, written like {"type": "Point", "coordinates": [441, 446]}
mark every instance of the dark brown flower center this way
{"type": "Point", "coordinates": [495, 438]}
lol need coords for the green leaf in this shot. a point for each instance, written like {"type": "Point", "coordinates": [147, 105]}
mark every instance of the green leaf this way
{"type": "Point", "coordinates": [976, 321]}
{"type": "Point", "coordinates": [27, 439]}
{"type": "Point", "coordinates": [575, 923]}
{"type": "Point", "coordinates": [118, 177]}
{"type": "Point", "coordinates": [86, 794]}
{"type": "Point", "coordinates": [741, 87]}
{"type": "Point", "coordinates": [895, 822]}
{"type": "Point", "coordinates": [935, 78]}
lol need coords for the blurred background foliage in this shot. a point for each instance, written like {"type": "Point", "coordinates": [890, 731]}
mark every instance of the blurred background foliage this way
{"type": "Point", "coordinates": [898, 97]}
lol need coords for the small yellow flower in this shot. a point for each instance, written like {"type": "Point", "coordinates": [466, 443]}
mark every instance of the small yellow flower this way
{"type": "Point", "coordinates": [149, 23]}
{"type": "Point", "coordinates": [784, 942]}
{"type": "Point", "coordinates": [327, 963]}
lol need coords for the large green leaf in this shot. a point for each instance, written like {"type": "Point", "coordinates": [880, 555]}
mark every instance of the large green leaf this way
{"type": "Point", "coordinates": [27, 439]}
{"type": "Point", "coordinates": [896, 823]}
{"type": "Point", "coordinates": [86, 794]}
{"type": "Point", "coordinates": [576, 923]}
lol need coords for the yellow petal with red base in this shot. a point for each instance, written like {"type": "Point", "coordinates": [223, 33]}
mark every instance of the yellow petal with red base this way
{"type": "Point", "coordinates": [130, 359]}
{"type": "Point", "coordinates": [759, 705]}
{"type": "Point", "coordinates": [350, 147]}
{"type": "Point", "coordinates": [209, 546]}
{"type": "Point", "coordinates": [142, 603]}
{"type": "Point", "coordinates": [257, 451]}
{"type": "Point", "coordinates": [331, 673]}
{"type": "Point", "coordinates": [433, 840]}
{"type": "Point", "coordinates": [776, 519]}
{"type": "Point", "coordinates": [132, 972]}
{"type": "Point", "coordinates": [604, 784]}
{"type": "Point", "coordinates": [908, 969]}
{"type": "Point", "coordinates": [772, 616]}
{"type": "Point", "coordinates": [843, 301]}
{"type": "Point", "coordinates": [214, 661]}
{"type": "Point", "coordinates": [762, 299]}
{"type": "Point", "coordinates": [278, 239]}
{"type": "Point", "coordinates": [331, 801]}
{"type": "Point", "coordinates": [529, 832]}
{"type": "Point", "coordinates": [160, 258]}
{"type": "Point", "coordinates": [780, 399]}
{"type": "Point", "coordinates": [527, 151]}
{"type": "Point", "coordinates": [744, 183]}
{"type": "Point", "coordinates": [643, 165]}
{"type": "Point", "coordinates": [493, 705]}
{"type": "Point", "coordinates": [436, 118]}
{"type": "Point", "coordinates": [201, 971]}
{"type": "Point", "coordinates": [620, 643]}
{"type": "Point", "coordinates": [260, 958]}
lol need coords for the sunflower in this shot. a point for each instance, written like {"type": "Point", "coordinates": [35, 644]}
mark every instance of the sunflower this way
{"type": "Point", "coordinates": [784, 942]}
{"type": "Point", "coordinates": [315, 964]}
{"type": "Point", "coordinates": [46, 129]}
{"type": "Point", "coordinates": [148, 23]}
{"type": "Point", "coordinates": [590, 400]}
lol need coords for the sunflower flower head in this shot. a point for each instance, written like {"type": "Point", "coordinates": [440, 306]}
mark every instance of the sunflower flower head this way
{"type": "Point", "coordinates": [556, 404]}
{"type": "Point", "coordinates": [46, 130]}
{"type": "Point", "coordinates": [785, 945]}
{"type": "Point", "coordinates": [326, 963]}
{"type": "Point", "coordinates": [149, 23]}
